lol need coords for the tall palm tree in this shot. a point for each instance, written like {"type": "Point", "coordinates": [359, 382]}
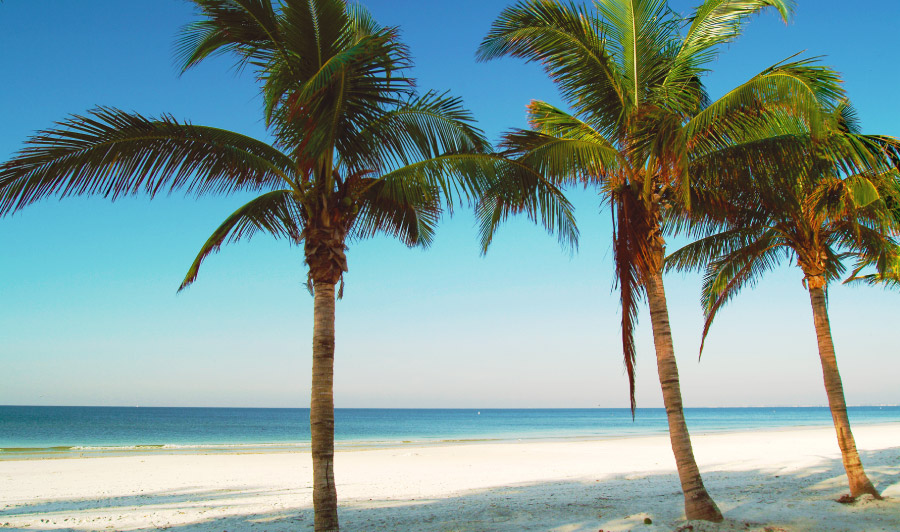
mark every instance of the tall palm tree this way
{"type": "Point", "coordinates": [838, 203]}
{"type": "Point", "coordinates": [640, 128]}
{"type": "Point", "coordinates": [355, 152]}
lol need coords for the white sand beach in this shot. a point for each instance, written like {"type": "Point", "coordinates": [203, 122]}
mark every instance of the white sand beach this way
{"type": "Point", "coordinates": [779, 480]}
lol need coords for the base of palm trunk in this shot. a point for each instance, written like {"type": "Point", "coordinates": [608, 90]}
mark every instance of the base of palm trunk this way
{"type": "Point", "coordinates": [863, 486]}
{"type": "Point", "coordinates": [700, 506]}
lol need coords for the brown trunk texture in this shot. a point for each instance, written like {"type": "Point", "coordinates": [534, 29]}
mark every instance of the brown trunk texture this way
{"type": "Point", "coordinates": [859, 482]}
{"type": "Point", "coordinates": [321, 412]}
{"type": "Point", "coordinates": [697, 502]}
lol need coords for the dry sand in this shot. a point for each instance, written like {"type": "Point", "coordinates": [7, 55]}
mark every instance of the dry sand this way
{"type": "Point", "coordinates": [780, 480]}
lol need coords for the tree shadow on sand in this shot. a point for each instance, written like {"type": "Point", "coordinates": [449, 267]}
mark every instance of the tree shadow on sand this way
{"type": "Point", "coordinates": [796, 500]}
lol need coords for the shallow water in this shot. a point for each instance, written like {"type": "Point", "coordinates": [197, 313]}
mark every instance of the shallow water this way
{"type": "Point", "coordinates": [29, 431]}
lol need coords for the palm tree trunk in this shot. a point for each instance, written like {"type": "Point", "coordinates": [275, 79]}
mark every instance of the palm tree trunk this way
{"type": "Point", "coordinates": [321, 412]}
{"type": "Point", "coordinates": [859, 482]}
{"type": "Point", "coordinates": [697, 502]}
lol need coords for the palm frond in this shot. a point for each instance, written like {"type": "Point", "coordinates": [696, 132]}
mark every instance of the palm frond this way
{"type": "Point", "coordinates": [460, 177]}
{"type": "Point", "coordinates": [641, 35]}
{"type": "Point", "coordinates": [276, 213]}
{"type": "Point", "coordinates": [700, 253]}
{"type": "Point", "coordinates": [246, 28]}
{"type": "Point", "coordinates": [632, 263]}
{"type": "Point", "coordinates": [803, 87]}
{"type": "Point", "coordinates": [424, 127]}
{"type": "Point", "coordinates": [112, 153]}
{"type": "Point", "coordinates": [887, 269]}
{"type": "Point", "coordinates": [516, 188]}
{"type": "Point", "coordinates": [715, 23]}
{"type": "Point", "coordinates": [351, 89]}
{"type": "Point", "coordinates": [571, 44]}
{"type": "Point", "coordinates": [562, 147]}
{"type": "Point", "coordinates": [412, 218]}
{"type": "Point", "coordinates": [742, 267]}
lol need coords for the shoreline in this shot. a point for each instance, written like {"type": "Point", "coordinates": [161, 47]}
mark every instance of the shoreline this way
{"type": "Point", "coordinates": [786, 480]}
{"type": "Point", "coordinates": [102, 451]}
{"type": "Point", "coordinates": [105, 451]}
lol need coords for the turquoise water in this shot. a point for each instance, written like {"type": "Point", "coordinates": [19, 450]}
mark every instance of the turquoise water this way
{"type": "Point", "coordinates": [38, 430]}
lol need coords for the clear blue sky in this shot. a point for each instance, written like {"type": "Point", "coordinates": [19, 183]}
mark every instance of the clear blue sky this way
{"type": "Point", "coordinates": [89, 313]}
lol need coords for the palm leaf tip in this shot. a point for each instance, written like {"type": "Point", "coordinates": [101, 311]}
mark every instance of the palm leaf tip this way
{"type": "Point", "coordinates": [275, 213]}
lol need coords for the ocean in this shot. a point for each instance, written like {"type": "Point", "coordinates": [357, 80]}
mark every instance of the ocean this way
{"type": "Point", "coordinates": [51, 431]}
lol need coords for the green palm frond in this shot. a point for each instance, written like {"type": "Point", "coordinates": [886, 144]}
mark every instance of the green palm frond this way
{"type": "Point", "coordinates": [460, 177]}
{"type": "Point", "coordinates": [835, 196]}
{"type": "Point", "coordinates": [564, 161]}
{"type": "Point", "coordinates": [887, 269]}
{"type": "Point", "coordinates": [703, 251]}
{"type": "Point", "coordinates": [642, 36]}
{"type": "Point", "coordinates": [519, 188]}
{"type": "Point", "coordinates": [803, 86]}
{"type": "Point", "coordinates": [861, 240]}
{"type": "Point", "coordinates": [112, 153]}
{"type": "Point", "coordinates": [247, 29]}
{"type": "Point", "coordinates": [276, 213]}
{"type": "Point", "coordinates": [424, 127]}
{"type": "Point", "coordinates": [411, 218]}
{"type": "Point", "coordinates": [359, 78]}
{"type": "Point", "coordinates": [715, 23]}
{"type": "Point", "coordinates": [351, 90]}
{"type": "Point", "coordinates": [572, 45]}
{"type": "Point", "coordinates": [551, 120]}
{"type": "Point", "coordinates": [750, 167]}
{"type": "Point", "coordinates": [742, 267]}
{"type": "Point", "coordinates": [361, 20]}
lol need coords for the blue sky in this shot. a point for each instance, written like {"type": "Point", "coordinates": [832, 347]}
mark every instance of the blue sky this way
{"type": "Point", "coordinates": [88, 309]}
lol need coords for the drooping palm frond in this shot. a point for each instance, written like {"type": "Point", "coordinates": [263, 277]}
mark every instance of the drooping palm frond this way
{"type": "Point", "coordinates": [886, 265]}
{"type": "Point", "coordinates": [518, 188]}
{"type": "Point", "coordinates": [112, 153]}
{"type": "Point", "coordinates": [571, 43]}
{"type": "Point", "coordinates": [459, 177]}
{"type": "Point", "coordinates": [741, 267]}
{"type": "Point", "coordinates": [276, 213]}
{"type": "Point", "coordinates": [411, 218]}
{"type": "Point", "coordinates": [248, 29]}
{"type": "Point", "coordinates": [802, 87]}
{"type": "Point", "coordinates": [635, 260]}
{"type": "Point", "coordinates": [421, 128]}
{"type": "Point", "coordinates": [715, 23]}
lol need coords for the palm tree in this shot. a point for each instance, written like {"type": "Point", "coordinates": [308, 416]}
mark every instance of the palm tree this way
{"type": "Point", "coordinates": [355, 152]}
{"type": "Point", "coordinates": [839, 203]}
{"type": "Point", "coordinates": [641, 127]}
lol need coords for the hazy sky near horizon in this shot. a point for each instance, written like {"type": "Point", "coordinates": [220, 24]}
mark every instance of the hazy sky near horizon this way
{"type": "Point", "coordinates": [89, 313]}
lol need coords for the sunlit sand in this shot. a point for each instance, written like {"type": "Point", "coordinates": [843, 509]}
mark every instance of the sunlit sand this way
{"type": "Point", "coordinates": [762, 480]}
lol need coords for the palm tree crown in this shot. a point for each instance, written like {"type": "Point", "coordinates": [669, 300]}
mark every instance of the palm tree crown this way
{"type": "Point", "coordinates": [836, 201]}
